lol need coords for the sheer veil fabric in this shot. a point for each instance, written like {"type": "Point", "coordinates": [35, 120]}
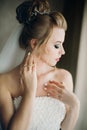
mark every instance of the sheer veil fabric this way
{"type": "Point", "coordinates": [11, 55]}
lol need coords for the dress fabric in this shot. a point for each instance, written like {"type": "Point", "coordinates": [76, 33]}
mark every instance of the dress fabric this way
{"type": "Point", "coordinates": [48, 113]}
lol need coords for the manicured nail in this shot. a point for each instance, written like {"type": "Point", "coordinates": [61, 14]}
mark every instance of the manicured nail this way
{"type": "Point", "coordinates": [48, 94]}
{"type": "Point", "coordinates": [50, 80]}
{"type": "Point", "coordinates": [28, 53]}
{"type": "Point", "coordinates": [45, 84]}
{"type": "Point", "coordinates": [45, 88]}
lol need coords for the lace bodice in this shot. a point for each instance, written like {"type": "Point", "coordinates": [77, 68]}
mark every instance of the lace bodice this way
{"type": "Point", "coordinates": [48, 113]}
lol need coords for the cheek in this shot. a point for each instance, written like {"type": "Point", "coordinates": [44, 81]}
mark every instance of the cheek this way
{"type": "Point", "coordinates": [47, 52]}
{"type": "Point", "coordinates": [51, 52]}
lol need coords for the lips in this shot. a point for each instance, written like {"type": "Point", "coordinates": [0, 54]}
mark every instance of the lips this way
{"type": "Point", "coordinates": [58, 59]}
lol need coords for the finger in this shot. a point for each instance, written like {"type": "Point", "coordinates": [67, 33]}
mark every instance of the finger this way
{"type": "Point", "coordinates": [60, 84]}
{"type": "Point", "coordinates": [21, 82]}
{"type": "Point", "coordinates": [54, 95]}
{"type": "Point", "coordinates": [53, 86]}
{"type": "Point", "coordinates": [27, 59]}
{"type": "Point", "coordinates": [52, 89]}
{"type": "Point", "coordinates": [26, 68]}
{"type": "Point", "coordinates": [30, 61]}
{"type": "Point", "coordinates": [34, 68]}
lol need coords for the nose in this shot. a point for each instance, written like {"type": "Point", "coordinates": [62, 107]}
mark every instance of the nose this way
{"type": "Point", "coordinates": [62, 51]}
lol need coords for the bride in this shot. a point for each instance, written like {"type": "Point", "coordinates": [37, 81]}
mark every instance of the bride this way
{"type": "Point", "coordinates": [34, 94]}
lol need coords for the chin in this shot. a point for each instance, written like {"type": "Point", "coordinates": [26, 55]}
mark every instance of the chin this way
{"type": "Point", "coordinates": [53, 65]}
{"type": "Point", "coordinates": [50, 63]}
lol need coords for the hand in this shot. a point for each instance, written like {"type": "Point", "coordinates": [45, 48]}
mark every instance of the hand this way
{"type": "Point", "coordinates": [28, 74]}
{"type": "Point", "coordinates": [58, 90]}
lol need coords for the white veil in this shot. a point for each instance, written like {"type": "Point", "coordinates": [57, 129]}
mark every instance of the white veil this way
{"type": "Point", "coordinates": [11, 55]}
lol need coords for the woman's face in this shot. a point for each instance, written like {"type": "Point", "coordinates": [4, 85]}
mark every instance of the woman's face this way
{"type": "Point", "coordinates": [51, 52]}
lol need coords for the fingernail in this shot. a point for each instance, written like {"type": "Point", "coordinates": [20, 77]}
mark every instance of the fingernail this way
{"type": "Point", "coordinates": [45, 88]}
{"type": "Point", "coordinates": [48, 94]}
{"type": "Point", "coordinates": [50, 81]}
{"type": "Point", "coordinates": [28, 53]}
{"type": "Point", "coordinates": [45, 84]}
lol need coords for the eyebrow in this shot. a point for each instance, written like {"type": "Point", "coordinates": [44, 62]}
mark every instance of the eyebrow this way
{"type": "Point", "coordinates": [58, 42]}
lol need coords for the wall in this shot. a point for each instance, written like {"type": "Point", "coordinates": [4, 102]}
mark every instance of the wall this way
{"type": "Point", "coordinates": [7, 19]}
{"type": "Point", "coordinates": [81, 77]}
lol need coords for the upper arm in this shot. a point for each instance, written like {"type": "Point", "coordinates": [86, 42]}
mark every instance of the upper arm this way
{"type": "Point", "coordinates": [6, 107]}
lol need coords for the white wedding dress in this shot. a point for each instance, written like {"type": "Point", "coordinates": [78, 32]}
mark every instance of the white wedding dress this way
{"type": "Point", "coordinates": [48, 113]}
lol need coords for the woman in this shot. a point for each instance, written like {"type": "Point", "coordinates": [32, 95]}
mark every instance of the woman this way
{"type": "Point", "coordinates": [36, 95]}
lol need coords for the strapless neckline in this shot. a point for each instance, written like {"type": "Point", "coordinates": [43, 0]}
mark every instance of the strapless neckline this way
{"type": "Point", "coordinates": [48, 113]}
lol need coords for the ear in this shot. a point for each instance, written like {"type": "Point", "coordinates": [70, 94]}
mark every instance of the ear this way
{"type": "Point", "coordinates": [33, 43]}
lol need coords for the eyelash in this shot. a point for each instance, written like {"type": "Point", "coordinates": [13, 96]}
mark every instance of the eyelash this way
{"type": "Point", "coordinates": [56, 46]}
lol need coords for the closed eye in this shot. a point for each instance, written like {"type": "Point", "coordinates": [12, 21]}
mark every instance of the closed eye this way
{"type": "Point", "coordinates": [56, 46]}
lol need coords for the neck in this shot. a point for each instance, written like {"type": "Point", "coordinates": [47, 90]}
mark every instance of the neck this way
{"type": "Point", "coordinates": [42, 67]}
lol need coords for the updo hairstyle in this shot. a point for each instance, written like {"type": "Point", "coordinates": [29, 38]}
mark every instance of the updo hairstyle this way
{"type": "Point", "coordinates": [38, 21]}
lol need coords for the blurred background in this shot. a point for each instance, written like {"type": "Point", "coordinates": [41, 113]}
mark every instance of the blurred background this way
{"type": "Point", "coordinates": [75, 44]}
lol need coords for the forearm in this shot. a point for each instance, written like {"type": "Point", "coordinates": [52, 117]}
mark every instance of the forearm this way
{"type": "Point", "coordinates": [21, 118]}
{"type": "Point", "coordinates": [71, 117]}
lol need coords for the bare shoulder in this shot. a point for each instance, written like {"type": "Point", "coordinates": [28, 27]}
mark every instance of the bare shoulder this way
{"type": "Point", "coordinates": [10, 83]}
{"type": "Point", "coordinates": [66, 78]}
{"type": "Point", "coordinates": [65, 74]}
